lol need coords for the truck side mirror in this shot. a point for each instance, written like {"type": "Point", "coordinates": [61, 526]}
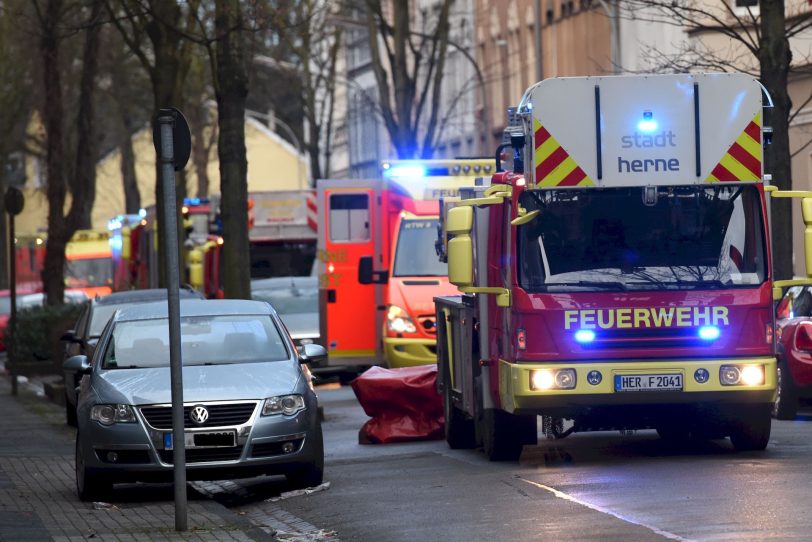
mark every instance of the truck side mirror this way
{"type": "Point", "coordinates": [366, 274]}
{"type": "Point", "coordinates": [459, 222]}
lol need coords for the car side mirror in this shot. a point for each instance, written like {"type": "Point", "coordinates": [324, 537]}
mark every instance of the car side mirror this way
{"type": "Point", "coordinates": [77, 364]}
{"type": "Point", "coordinates": [311, 353]}
{"type": "Point", "coordinates": [366, 274]}
{"type": "Point", "coordinates": [70, 336]}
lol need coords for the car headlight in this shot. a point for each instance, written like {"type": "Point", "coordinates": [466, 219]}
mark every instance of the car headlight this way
{"type": "Point", "coordinates": [110, 414]}
{"type": "Point", "coordinates": [398, 320]}
{"type": "Point", "coordinates": [283, 404]}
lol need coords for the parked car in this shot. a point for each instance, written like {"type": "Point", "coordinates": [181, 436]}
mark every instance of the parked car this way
{"type": "Point", "coordinates": [83, 337]}
{"type": "Point", "coordinates": [793, 336]}
{"type": "Point", "coordinates": [296, 300]}
{"type": "Point", "coordinates": [248, 407]}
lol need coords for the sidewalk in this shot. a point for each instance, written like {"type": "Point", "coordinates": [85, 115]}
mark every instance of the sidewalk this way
{"type": "Point", "coordinates": [38, 497]}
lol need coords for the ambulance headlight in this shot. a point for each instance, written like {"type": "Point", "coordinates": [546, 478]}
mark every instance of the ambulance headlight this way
{"type": "Point", "coordinates": [552, 379]}
{"type": "Point", "coordinates": [398, 320]}
{"type": "Point", "coordinates": [753, 375]}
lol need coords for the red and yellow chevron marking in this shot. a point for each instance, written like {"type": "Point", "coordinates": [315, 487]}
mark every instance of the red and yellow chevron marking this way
{"type": "Point", "coordinates": [554, 166]}
{"type": "Point", "coordinates": [742, 162]}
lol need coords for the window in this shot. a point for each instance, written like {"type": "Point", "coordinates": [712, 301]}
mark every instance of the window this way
{"type": "Point", "coordinates": [349, 217]}
{"type": "Point", "coordinates": [745, 3]}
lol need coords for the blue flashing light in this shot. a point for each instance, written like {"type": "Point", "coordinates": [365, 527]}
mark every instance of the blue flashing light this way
{"type": "Point", "coordinates": [648, 124]}
{"type": "Point", "coordinates": [401, 172]}
{"type": "Point", "coordinates": [192, 201]}
{"type": "Point", "coordinates": [584, 336]}
{"type": "Point", "coordinates": [142, 213]}
{"type": "Point", "coordinates": [709, 333]}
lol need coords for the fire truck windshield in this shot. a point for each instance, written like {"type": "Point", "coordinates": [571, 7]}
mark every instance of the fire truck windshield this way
{"type": "Point", "coordinates": [415, 255]}
{"type": "Point", "coordinates": [605, 239]}
{"type": "Point", "coordinates": [88, 272]}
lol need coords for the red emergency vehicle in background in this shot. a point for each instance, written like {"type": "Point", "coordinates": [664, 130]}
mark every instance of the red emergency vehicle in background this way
{"type": "Point", "coordinates": [619, 276]}
{"type": "Point", "coordinates": [282, 241]}
{"type": "Point", "coordinates": [88, 262]}
{"type": "Point", "coordinates": [378, 269]}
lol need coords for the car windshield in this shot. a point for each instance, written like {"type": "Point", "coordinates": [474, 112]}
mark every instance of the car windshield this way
{"type": "Point", "coordinates": [613, 239]}
{"type": "Point", "coordinates": [89, 272]}
{"type": "Point", "coordinates": [415, 255]}
{"type": "Point", "coordinates": [290, 300]}
{"type": "Point", "coordinates": [101, 314]}
{"type": "Point", "coordinates": [205, 340]}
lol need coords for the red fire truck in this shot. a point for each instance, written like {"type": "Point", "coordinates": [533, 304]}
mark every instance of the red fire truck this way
{"type": "Point", "coordinates": [378, 269]}
{"type": "Point", "coordinates": [618, 277]}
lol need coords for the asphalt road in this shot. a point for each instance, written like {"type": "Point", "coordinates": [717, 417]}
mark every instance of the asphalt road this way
{"type": "Point", "coordinates": [592, 486]}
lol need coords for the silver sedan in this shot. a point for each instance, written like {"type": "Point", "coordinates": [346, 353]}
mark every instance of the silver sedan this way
{"type": "Point", "coordinates": [249, 405]}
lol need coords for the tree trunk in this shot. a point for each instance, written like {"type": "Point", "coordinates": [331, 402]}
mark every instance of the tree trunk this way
{"type": "Point", "coordinates": [232, 91]}
{"type": "Point", "coordinates": [132, 197]}
{"type": "Point", "coordinates": [200, 150]}
{"type": "Point", "coordinates": [83, 184]}
{"type": "Point", "coordinates": [54, 267]}
{"type": "Point", "coordinates": [774, 57]}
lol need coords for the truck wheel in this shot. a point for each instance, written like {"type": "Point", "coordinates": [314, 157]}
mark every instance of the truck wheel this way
{"type": "Point", "coordinates": [786, 399]}
{"type": "Point", "coordinates": [459, 429]}
{"type": "Point", "coordinates": [751, 431]}
{"type": "Point", "coordinates": [504, 434]}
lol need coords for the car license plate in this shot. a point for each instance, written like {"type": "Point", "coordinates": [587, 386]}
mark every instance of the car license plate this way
{"type": "Point", "coordinates": [207, 439]}
{"type": "Point", "coordinates": [655, 382]}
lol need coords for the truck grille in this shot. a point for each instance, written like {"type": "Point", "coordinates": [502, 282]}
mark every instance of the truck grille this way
{"type": "Point", "coordinates": [220, 414]}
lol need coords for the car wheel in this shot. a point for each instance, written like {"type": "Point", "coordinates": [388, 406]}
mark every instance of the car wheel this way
{"type": "Point", "coordinates": [751, 431]}
{"type": "Point", "coordinates": [70, 413]}
{"type": "Point", "coordinates": [310, 475]}
{"type": "Point", "coordinates": [90, 486]}
{"type": "Point", "coordinates": [786, 398]}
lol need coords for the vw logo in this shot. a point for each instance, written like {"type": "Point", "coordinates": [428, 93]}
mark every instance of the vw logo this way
{"type": "Point", "coordinates": [199, 414]}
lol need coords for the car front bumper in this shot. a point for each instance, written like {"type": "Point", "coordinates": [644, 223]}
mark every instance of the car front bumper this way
{"type": "Point", "coordinates": [137, 452]}
{"type": "Point", "coordinates": [400, 352]}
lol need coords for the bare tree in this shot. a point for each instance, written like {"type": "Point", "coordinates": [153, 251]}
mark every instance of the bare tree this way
{"type": "Point", "coordinates": [15, 109]}
{"type": "Point", "coordinates": [311, 40]}
{"type": "Point", "coordinates": [759, 43]}
{"type": "Point", "coordinates": [415, 61]}
{"type": "Point", "coordinates": [53, 28]}
{"type": "Point", "coordinates": [154, 30]}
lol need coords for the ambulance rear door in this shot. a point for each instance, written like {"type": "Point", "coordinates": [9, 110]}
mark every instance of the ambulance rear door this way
{"type": "Point", "coordinates": [350, 228]}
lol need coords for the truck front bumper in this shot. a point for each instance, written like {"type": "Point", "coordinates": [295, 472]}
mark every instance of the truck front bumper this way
{"type": "Point", "coordinates": [596, 384]}
{"type": "Point", "coordinates": [400, 352]}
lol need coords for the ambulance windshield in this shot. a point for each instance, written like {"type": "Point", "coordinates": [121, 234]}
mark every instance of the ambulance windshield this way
{"type": "Point", "coordinates": [415, 255]}
{"type": "Point", "coordinates": [603, 239]}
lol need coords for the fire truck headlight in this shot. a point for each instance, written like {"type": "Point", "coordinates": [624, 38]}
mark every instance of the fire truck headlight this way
{"type": "Point", "coordinates": [542, 380]}
{"type": "Point", "coordinates": [550, 379]}
{"type": "Point", "coordinates": [753, 375]}
{"type": "Point", "coordinates": [398, 320]}
{"type": "Point", "coordinates": [729, 375]}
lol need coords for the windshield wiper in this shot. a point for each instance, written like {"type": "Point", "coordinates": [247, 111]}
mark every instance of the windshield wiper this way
{"type": "Point", "coordinates": [591, 283]}
{"type": "Point", "coordinates": [711, 283]}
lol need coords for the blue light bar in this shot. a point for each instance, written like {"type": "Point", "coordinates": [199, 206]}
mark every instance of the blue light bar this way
{"type": "Point", "coordinates": [709, 333]}
{"type": "Point", "coordinates": [648, 124]}
{"type": "Point", "coordinates": [584, 336]}
{"type": "Point", "coordinates": [401, 172]}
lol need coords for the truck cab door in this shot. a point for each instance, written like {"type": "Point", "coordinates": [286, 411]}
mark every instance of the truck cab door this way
{"type": "Point", "coordinates": [349, 230]}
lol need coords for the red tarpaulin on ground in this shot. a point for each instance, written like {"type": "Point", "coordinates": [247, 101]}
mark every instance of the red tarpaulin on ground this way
{"type": "Point", "coordinates": [403, 403]}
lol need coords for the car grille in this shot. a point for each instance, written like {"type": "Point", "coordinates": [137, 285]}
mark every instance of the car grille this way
{"type": "Point", "coordinates": [268, 449]}
{"type": "Point", "coordinates": [160, 417]}
{"type": "Point", "coordinates": [202, 455]}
